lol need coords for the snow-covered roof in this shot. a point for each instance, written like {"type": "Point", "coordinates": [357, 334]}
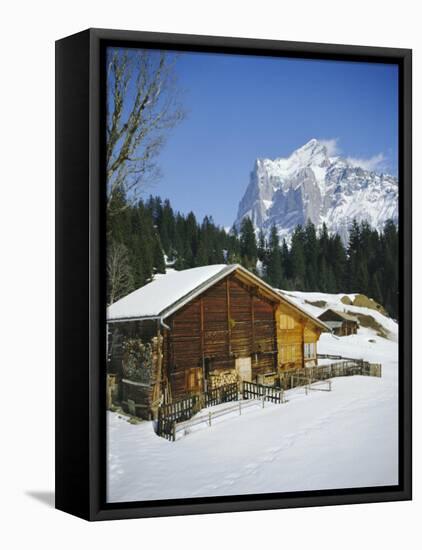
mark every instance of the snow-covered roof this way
{"type": "Point", "coordinates": [168, 293]}
{"type": "Point", "coordinates": [342, 314]}
{"type": "Point", "coordinates": [157, 297]}
{"type": "Point", "coordinates": [334, 324]}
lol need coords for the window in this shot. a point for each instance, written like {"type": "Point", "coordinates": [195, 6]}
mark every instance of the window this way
{"type": "Point", "coordinates": [286, 321]}
{"type": "Point", "coordinates": [309, 350]}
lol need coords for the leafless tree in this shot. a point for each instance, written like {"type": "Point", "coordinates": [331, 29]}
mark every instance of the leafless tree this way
{"type": "Point", "coordinates": [119, 276]}
{"type": "Point", "coordinates": [142, 105]}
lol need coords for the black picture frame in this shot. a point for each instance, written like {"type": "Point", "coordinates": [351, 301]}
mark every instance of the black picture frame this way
{"type": "Point", "coordinates": [80, 274]}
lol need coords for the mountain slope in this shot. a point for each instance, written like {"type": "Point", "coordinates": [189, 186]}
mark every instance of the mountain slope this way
{"type": "Point", "coordinates": [310, 184]}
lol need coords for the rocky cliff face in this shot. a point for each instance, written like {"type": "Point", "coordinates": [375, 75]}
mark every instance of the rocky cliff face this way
{"type": "Point", "coordinates": [312, 185]}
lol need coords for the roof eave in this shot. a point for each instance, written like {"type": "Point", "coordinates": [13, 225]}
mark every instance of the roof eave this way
{"type": "Point", "coordinates": [197, 291]}
{"type": "Point", "coordinates": [277, 295]}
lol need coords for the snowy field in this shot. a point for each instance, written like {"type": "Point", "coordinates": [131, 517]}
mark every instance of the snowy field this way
{"type": "Point", "coordinates": [323, 440]}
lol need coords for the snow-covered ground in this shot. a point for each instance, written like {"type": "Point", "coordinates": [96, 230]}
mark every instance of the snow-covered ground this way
{"type": "Point", "coordinates": [325, 440]}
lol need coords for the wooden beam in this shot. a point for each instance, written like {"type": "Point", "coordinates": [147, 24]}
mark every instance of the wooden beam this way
{"type": "Point", "coordinates": [201, 305]}
{"type": "Point", "coordinates": [156, 391]}
{"type": "Point", "coordinates": [166, 347]}
{"type": "Point", "coordinates": [204, 378]}
{"type": "Point", "coordinates": [253, 323]}
{"type": "Point", "coordinates": [275, 311]}
{"type": "Point", "coordinates": [229, 329]}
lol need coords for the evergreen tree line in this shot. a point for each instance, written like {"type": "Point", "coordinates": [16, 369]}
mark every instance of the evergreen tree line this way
{"type": "Point", "coordinates": [316, 261]}
{"type": "Point", "coordinates": [145, 238]}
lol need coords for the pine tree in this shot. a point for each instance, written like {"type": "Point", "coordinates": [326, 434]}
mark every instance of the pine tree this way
{"type": "Point", "coordinates": [262, 245]}
{"type": "Point", "coordinates": [375, 289]}
{"type": "Point", "coordinates": [233, 247]}
{"type": "Point", "coordinates": [192, 240]}
{"type": "Point", "coordinates": [158, 256]}
{"type": "Point", "coordinates": [272, 263]}
{"type": "Point", "coordinates": [248, 246]}
{"type": "Point", "coordinates": [297, 258]}
{"type": "Point", "coordinates": [323, 258]}
{"type": "Point", "coordinates": [141, 237]}
{"type": "Point", "coordinates": [362, 277]}
{"type": "Point", "coordinates": [204, 251]}
{"type": "Point", "coordinates": [353, 257]}
{"type": "Point", "coordinates": [331, 284]}
{"type": "Point", "coordinates": [311, 257]}
{"type": "Point", "coordinates": [118, 218]}
{"type": "Point", "coordinates": [323, 283]}
{"type": "Point", "coordinates": [285, 266]}
{"type": "Point", "coordinates": [166, 228]}
{"type": "Point", "coordinates": [390, 274]}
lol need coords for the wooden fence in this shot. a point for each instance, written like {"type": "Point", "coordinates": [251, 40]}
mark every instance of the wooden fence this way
{"type": "Point", "coordinates": [166, 428]}
{"type": "Point", "coordinates": [298, 377]}
{"type": "Point", "coordinates": [182, 410]}
{"type": "Point", "coordinates": [208, 417]}
{"type": "Point", "coordinates": [223, 394]}
{"type": "Point", "coordinates": [319, 385]}
{"type": "Point", "coordinates": [264, 393]}
{"type": "Point", "coordinates": [177, 416]}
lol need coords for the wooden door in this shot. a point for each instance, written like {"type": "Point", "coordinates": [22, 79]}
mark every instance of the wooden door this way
{"type": "Point", "coordinates": [194, 380]}
{"type": "Point", "coordinates": [244, 369]}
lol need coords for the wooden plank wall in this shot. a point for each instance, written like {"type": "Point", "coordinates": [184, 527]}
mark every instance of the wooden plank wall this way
{"type": "Point", "coordinates": [185, 347]}
{"type": "Point", "coordinates": [290, 338]}
{"type": "Point", "coordinates": [265, 336]}
{"type": "Point", "coordinates": [227, 321]}
{"type": "Point", "coordinates": [293, 332]}
{"type": "Point", "coordinates": [216, 327]}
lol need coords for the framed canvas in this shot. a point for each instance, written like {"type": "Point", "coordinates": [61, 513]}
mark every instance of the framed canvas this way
{"type": "Point", "coordinates": [233, 277]}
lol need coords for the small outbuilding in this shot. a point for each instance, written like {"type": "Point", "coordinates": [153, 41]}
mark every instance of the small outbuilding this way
{"type": "Point", "coordinates": [341, 323]}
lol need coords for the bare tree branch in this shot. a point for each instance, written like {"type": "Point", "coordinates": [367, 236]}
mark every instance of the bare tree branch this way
{"type": "Point", "coordinates": [142, 105]}
{"type": "Point", "coordinates": [119, 276]}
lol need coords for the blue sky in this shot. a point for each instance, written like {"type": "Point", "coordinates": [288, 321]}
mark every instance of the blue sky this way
{"type": "Point", "coordinates": [241, 107]}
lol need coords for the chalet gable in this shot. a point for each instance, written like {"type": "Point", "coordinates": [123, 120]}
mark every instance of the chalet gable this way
{"type": "Point", "coordinates": [337, 316]}
{"type": "Point", "coordinates": [168, 293]}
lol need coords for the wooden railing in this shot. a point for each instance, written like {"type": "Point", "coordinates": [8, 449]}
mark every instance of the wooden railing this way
{"type": "Point", "coordinates": [174, 417]}
{"type": "Point", "coordinates": [171, 413]}
{"type": "Point", "coordinates": [184, 409]}
{"type": "Point", "coordinates": [264, 393]}
{"type": "Point", "coordinates": [296, 377]}
{"type": "Point", "coordinates": [223, 394]}
{"type": "Point", "coordinates": [207, 418]}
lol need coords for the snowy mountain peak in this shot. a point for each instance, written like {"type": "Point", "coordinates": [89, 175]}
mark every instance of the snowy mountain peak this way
{"type": "Point", "coordinates": [309, 184]}
{"type": "Point", "coordinates": [313, 152]}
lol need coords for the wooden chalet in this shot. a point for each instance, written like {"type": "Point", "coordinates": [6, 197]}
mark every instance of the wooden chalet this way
{"type": "Point", "coordinates": [341, 323]}
{"type": "Point", "coordinates": [194, 330]}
